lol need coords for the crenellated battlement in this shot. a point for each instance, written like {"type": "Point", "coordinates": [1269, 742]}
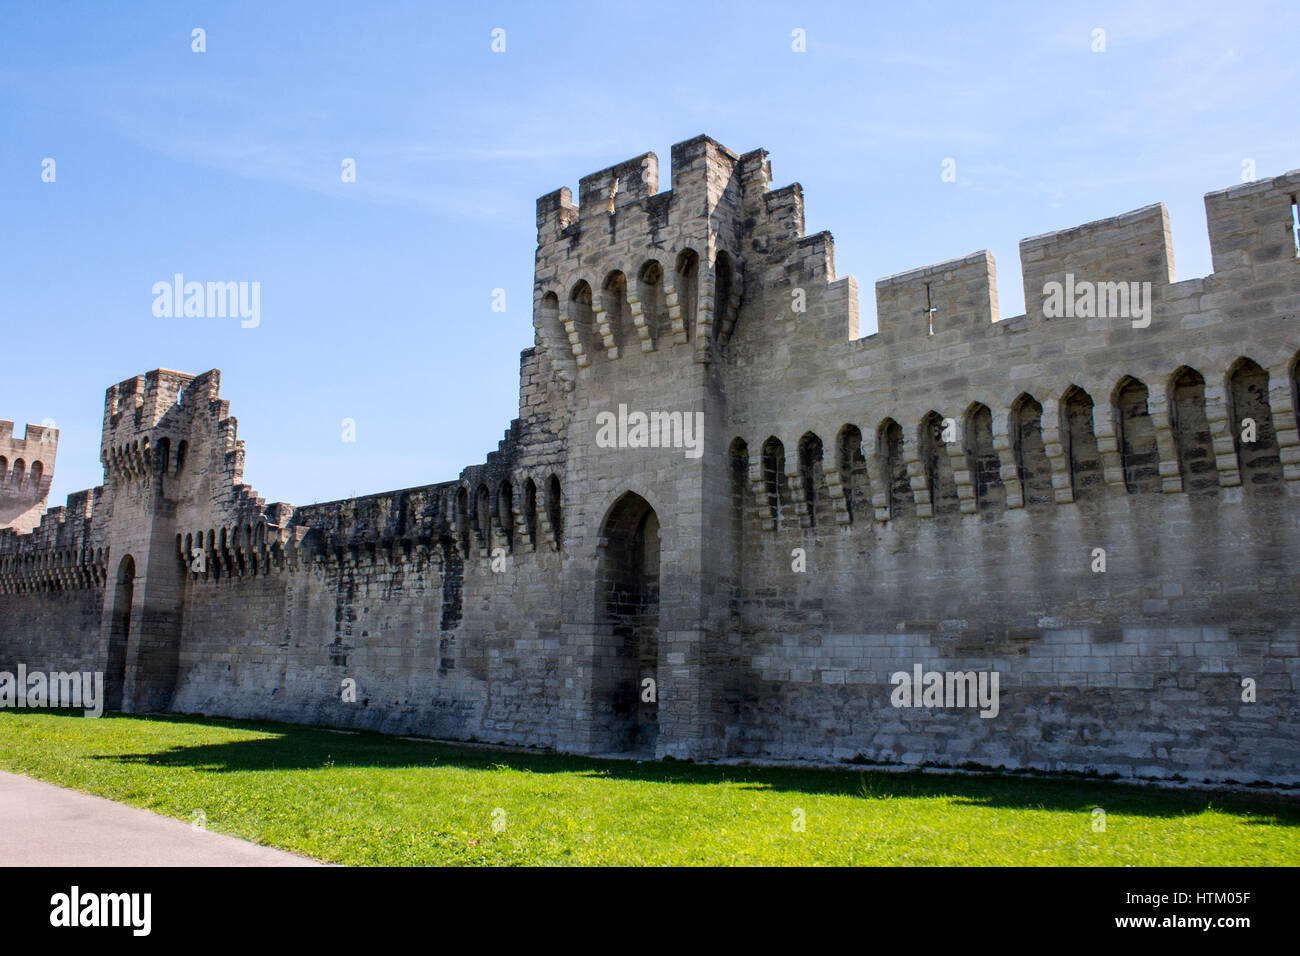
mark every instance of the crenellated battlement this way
{"type": "Point", "coordinates": [138, 404]}
{"type": "Point", "coordinates": [629, 270]}
{"type": "Point", "coordinates": [26, 472]}
{"type": "Point", "coordinates": [961, 294]}
{"type": "Point", "coordinates": [61, 551]}
{"type": "Point", "coordinates": [1252, 226]}
{"type": "Point", "coordinates": [954, 295]}
{"type": "Point", "coordinates": [156, 423]}
{"type": "Point", "coordinates": [841, 507]}
{"type": "Point", "coordinates": [618, 187]}
{"type": "Point", "coordinates": [37, 441]}
{"type": "Point", "coordinates": [1133, 247]}
{"type": "Point", "coordinates": [1118, 380]}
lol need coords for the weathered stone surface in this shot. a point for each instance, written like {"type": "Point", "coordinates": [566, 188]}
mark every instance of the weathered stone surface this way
{"type": "Point", "coordinates": [932, 494]}
{"type": "Point", "coordinates": [26, 471]}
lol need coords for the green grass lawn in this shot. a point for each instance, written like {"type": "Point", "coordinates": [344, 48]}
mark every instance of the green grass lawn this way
{"type": "Point", "coordinates": [368, 799]}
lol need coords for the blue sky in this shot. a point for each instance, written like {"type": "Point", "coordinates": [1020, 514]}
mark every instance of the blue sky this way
{"type": "Point", "coordinates": [376, 295]}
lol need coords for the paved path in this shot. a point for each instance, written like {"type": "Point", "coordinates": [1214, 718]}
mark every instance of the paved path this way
{"type": "Point", "coordinates": [45, 825]}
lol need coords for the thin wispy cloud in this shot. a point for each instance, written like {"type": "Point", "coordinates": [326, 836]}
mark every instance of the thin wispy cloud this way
{"type": "Point", "coordinates": [168, 158]}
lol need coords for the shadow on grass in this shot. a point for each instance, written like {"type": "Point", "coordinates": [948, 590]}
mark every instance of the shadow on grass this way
{"type": "Point", "coordinates": [299, 748]}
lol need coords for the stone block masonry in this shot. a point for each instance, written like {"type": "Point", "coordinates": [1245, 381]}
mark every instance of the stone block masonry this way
{"type": "Point", "coordinates": [1101, 511]}
{"type": "Point", "coordinates": [26, 471]}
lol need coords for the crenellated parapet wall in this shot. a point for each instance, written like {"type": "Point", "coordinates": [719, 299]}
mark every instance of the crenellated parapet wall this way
{"type": "Point", "coordinates": [1111, 347]}
{"type": "Point", "coordinates": [937, 492]}
{"type": "Point", "coordinates": [949, 296]}
{"type": "Point", "coordinates": [152, 423]}
{"type": "Point", "coordinates": [63, 551]}
{"type": "Point", "coordinates": [26, 472]}
{"type": "Point", "coordinates": [1097, 501]}
{"type": "Point", "coordinates": [512, 505]}
{"type": "Point", "coordinates": [629, 270]}
{"type": "Point", "coordinates": [403, 593]}
{"type": "Point", "coordinates": [599, 294]}
{"type": "Point", "coordinates": [43, 549]}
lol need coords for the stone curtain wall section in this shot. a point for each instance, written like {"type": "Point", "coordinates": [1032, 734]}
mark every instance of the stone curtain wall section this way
{"type": "Point", "coordinates": [395, 592]}
{"type": "Point", "coordinates": [934, 493]}
{"type": "Point", "coordinates": [1106, 436]}
{"type": "Point", "coordinates": [280, 644]}
{"type": "Point", "coordinates": [398, 593]}
{"type": "Point", "coordinates": [52, 588]}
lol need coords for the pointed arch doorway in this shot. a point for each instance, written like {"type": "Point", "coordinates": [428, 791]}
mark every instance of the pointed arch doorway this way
{"type": "Point", "coordinates": [629, 606]}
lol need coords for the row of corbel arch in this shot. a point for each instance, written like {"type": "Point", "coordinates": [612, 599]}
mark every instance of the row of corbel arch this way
{"type": "Point", "coordinates": [54, 569]}
{"type": "Point", "coordinates": [523, 515]}
{"type": "Point", "coordinates": [1189, 437]}
{"type": "Point", "coordinates": [658, 308]}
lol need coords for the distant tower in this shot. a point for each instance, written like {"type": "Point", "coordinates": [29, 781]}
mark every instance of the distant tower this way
{"type": "Point", "coordinates": [144, 450]}
{"type": "Point", "coordinates": [26, 471]}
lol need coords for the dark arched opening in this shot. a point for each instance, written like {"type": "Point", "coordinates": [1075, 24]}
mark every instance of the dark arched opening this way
{"type": "Point", "coordinates": [776, 486]}
{"type": "Point", "coordinates": [1192, 439]}
{"type": "Point", "coordinates": [817, 497]}
{"type": "Point", "coordinates": [618, 312]}
{"type": "Point", "coordinates": [933, 437]}
{"type": "Point", "coordinates": [1138, 449]}
{"type": "Point", "coordinates": [1253, 436]}
{"type": "Point", "coordinates": [1086, 478]}
{"type": "Point", "coordinates": [629, 586]}
{"type": "Point", "coordinates": [893, 468]}
{"type": "Point", "coordinates": [1032, 465]}
{"type": "Point", "coordinates": [853, 473]}
{"type": "Point", "coordinates": [555, 510]}
{"type": "Point", "coordinates": [650, 289]}
{"type": "Point", "coordinates": [687, 286]}
{"type": "Point", "coordinates": [982, 459]}
{"type": "Point", "coordinates": [530, 511]}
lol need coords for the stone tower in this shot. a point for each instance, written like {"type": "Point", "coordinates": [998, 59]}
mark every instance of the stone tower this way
{"type": "Point", "coordinates": [168, 450]}
{"type": "Point", "coordinates": [26, 471]}
{"type": "Point", "coordinates": [636, 293]}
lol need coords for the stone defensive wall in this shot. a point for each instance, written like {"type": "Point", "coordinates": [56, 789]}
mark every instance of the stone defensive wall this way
{"type": "Point", "coordinates": [954, 480]}
{"type": "Point", "coordinates": [1095, 501]}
